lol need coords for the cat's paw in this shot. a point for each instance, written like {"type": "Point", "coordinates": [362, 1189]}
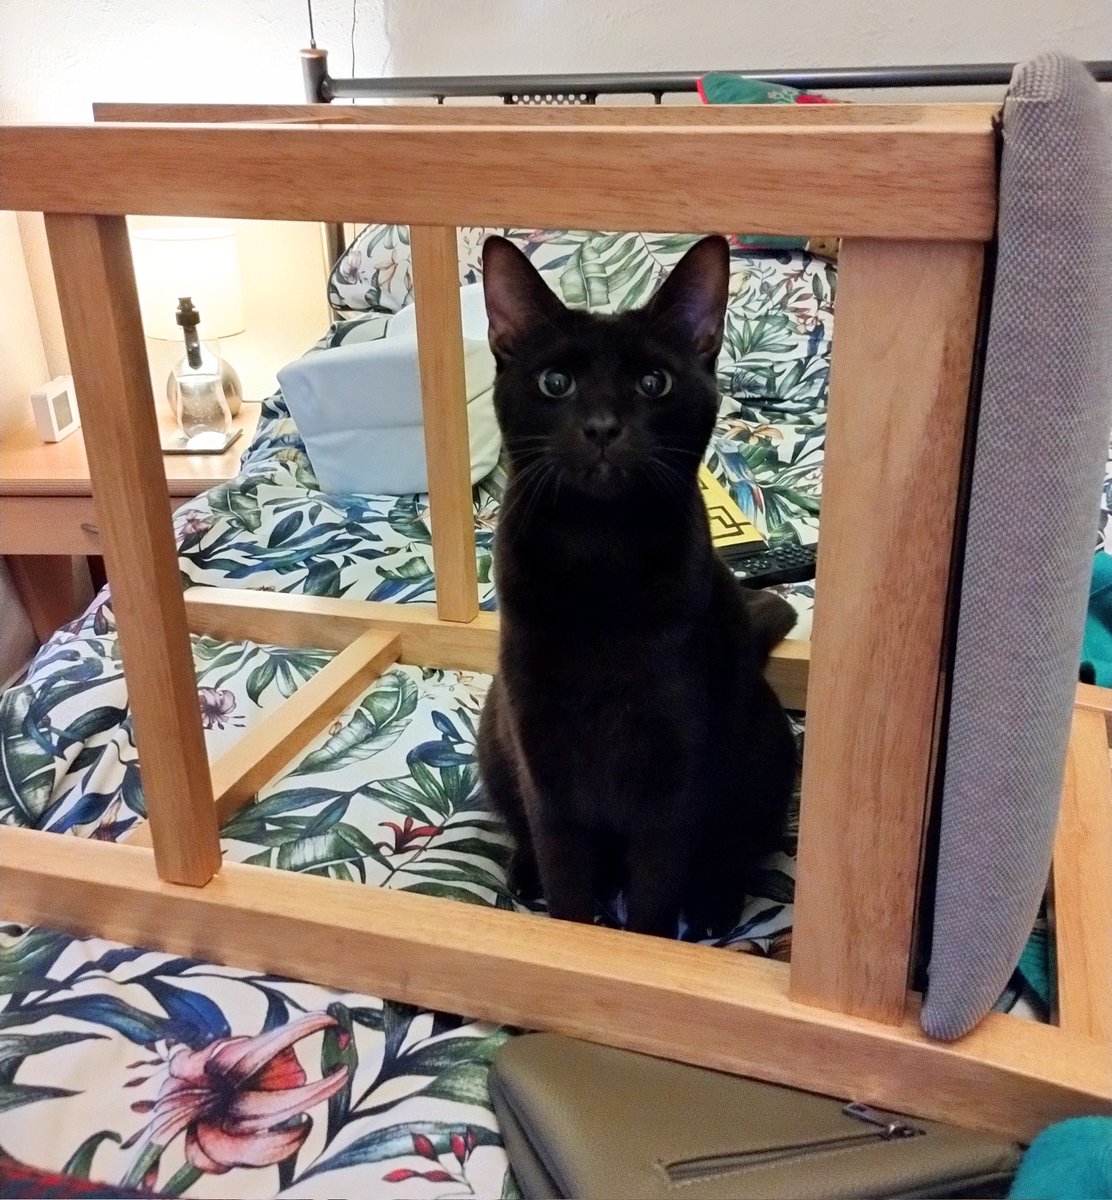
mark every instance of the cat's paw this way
{"type": "Point", "coordinates": [522, 876]}
{"type": "Point", "coordinates": [713, 915]}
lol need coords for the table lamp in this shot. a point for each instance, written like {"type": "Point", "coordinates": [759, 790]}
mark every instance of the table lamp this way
{"type": "Point", "coordinates": [200, 262]}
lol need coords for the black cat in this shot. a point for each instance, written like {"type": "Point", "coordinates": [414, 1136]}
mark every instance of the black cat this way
{"type": "Point", "coordinates": [630, 739]}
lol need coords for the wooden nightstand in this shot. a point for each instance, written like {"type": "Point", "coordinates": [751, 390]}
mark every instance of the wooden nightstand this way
{"type": "Point", "coordinates": [48, 513]}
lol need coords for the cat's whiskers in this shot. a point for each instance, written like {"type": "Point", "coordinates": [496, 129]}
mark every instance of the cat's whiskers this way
{"type": "Point", "coordinates": [522, 438]}
{"type": "Point", "coordinates": [678, 448]}
{"type": "Point", "coordinates": [539, 483]}
{"type": "Point", "coordinates": [678, 486]}
{"type": "Point", "coordinates": [524, 487]}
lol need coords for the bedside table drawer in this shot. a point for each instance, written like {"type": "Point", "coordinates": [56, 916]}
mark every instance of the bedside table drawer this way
{"type": "Point", "coordinates": [54, 524]}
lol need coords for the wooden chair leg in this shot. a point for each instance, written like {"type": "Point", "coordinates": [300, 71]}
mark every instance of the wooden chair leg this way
{"type": "Point", "coordinates": [45, 587]}
{"type": "Point", "coordinates": [902, 354]}
{"type": "Point", "coordinates": [100, 311]}
{"type": "Point", "coordinates": [1081, 892]}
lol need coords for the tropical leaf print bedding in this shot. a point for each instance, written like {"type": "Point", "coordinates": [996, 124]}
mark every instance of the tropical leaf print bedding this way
{"type": "Point", "coordinates": [139, 1069]}
{"type": "Point", "coordinates": [143, 1069]}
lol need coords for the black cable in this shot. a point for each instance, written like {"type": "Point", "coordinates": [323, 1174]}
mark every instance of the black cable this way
{"type": "Point", "coordinates": [312, 34]}
{"type": "Point", "coordinates": [354, 17]}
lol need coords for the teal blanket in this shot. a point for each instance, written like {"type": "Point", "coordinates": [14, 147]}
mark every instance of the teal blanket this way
{"type": "Point", "coordinates": [1068, 1161]}
{"type": "Point", "coordinates": [1096, 649]}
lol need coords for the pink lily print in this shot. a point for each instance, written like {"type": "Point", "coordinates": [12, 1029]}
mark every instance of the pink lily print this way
{"type": "Point", "coordinates": [241, 1101]}
{"type": "Point", "coordinates": [217, 706]}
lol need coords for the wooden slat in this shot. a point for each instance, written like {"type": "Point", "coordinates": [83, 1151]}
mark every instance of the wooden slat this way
{"type": "Point", "coordinates": [1088, 696]}
{"type": "Point", "coordinates": [787, 671]}
{"type": "Point", "coordinates": [898, 399]}
{"type": "Point", "coordinates": [277, 619]}
{"type": "Point", "coordinates": [426, 641]}
{"type": "Point", "coordinates": [973, 115]}
{"type": "Point", "coordinates": [100, 312]}
{"type": "Point", "coordinates": [444, 411]}
{"type": "Point", "coordinates": [694, 1003]}
{"type": "Point", "coordinates": [1081, 918]}
{"type": "Point", "coordinates": [258, 756]}
{"type": "Point", "coordinates": [932, 181]}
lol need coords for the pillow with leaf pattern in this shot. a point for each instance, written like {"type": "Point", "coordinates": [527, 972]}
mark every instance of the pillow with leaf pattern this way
{"type": "Point", "coordinates": [778, 320]}
{"type": "Point", "coordinates": [772, 371]}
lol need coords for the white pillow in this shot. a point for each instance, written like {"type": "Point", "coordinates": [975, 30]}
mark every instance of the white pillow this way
{"type": "Point", "coordinates": [358, 410]}
{"type": "Point", "coordinates": [473, 316]}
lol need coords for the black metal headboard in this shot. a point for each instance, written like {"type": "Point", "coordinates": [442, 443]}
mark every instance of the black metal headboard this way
{"type": "Point", "coordinates": [322, 88]}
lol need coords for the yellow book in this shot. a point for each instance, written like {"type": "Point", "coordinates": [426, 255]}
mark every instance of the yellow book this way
{"type": "Point", "coordinates": [730, 529]}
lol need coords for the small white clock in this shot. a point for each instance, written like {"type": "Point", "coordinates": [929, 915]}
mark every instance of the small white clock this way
{"type": "Point", "coordinates": [55, 409]}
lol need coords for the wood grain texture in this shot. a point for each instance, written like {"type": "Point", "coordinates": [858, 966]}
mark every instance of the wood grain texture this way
{"type": "Point", "coordinates": [1081, 891]}
{"type": "Point", "coordinates": [55, 524]}
{"type": "Point", "coordinates": [1091, 696]}
{"type": "Point", "coordinates": [976, 116]}
{"type": "Point", "coordinates": [262, 752]}
{"type": "Point", "coordinates": [444, 411]}
{"type": "Point", "coordinates": [49, 525]}
{"type": "Point", "coordinates": [278, 619]}
{"type": "Point", "coordinates": [788, 670]}
{"type": "Point", "coordinates": [45, 587]}
{"type": "Point", "coordinates": [924, 181]}
{"type": "Point", "coordinates": [1088, 696]}
{"type": "Point", "coordinates": [426, 641]}
{"type": "Point", "coordinates": [693, 1003]}
{"type": "Point", "coordinates": [29, 467]}
{"type": "Point", "coordinates": [100, 313]}
{"type": "Point", "coordinates": [899, 386]}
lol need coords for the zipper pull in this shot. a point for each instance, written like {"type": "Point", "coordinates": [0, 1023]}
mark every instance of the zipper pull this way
{"type": "Point", "coordinates": [892, 1125]}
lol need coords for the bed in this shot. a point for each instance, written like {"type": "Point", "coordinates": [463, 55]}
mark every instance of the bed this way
{"type": "Point", "coordinates": [203, 1079]}
{"type": "Point", "coordinates": [388, 797]}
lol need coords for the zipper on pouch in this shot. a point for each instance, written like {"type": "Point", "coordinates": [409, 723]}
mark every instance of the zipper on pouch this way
{"type": "Point", "coordinates": [892, 1124]}
{"type": "Point", "coordinates": [887, 1127]}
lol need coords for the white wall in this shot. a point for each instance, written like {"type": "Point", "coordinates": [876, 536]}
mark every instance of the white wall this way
{"type": "Point", "coordinates": [510, 36]}
{"type": "Point", "coordinates": [59, 56]}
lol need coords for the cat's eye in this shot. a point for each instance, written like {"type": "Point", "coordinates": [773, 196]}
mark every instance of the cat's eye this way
{"type": "Point", "coordinates": [556, 383]}
{"type": "Point", "coordinates": [655, 384]}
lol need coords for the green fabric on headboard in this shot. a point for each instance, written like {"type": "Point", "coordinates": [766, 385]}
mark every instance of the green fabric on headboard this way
{"type": "Point", "coordinates": [721, 87]}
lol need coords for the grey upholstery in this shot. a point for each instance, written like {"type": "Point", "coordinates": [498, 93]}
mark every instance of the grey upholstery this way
{"type": "Point", "coordinates": [1041, 444]}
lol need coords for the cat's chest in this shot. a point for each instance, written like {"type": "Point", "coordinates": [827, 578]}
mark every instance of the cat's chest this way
{"type": "Point", "coordinates": [606, 676]}
{"type": "Point", "coordinates": [616, 718]}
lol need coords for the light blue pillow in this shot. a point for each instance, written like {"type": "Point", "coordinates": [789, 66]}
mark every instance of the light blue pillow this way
{"type": "Point", "coordinates": [358, 410]}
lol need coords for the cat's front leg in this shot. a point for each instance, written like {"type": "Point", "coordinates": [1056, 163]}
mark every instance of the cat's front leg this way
{"type": "Point", "coordinates": [656, 869]}
{"type": "Point", "coordinates": [566, 859]}
{"type": "Point", "coordinates": [522, 875]}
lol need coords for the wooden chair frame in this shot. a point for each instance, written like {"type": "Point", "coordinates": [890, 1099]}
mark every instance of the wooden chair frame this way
{"type": "Point", "coordinates": [911, 191]}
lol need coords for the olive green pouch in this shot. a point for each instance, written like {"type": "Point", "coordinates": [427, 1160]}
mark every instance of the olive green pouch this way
{"type": "Point", "coordinates": [586, 1122]}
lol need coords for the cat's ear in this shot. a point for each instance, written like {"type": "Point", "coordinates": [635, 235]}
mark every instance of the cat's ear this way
{"type": "Point", "coordinates": [517, 298]}
{"type": "Point", "coordinates": [691, 302]}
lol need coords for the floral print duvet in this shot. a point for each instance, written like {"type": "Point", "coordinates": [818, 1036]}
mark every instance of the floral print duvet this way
{"type": "Point", "coordinates": [142, 1069]}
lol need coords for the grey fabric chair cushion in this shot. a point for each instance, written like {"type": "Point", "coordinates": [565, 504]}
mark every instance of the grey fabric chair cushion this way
{"type": "Point", "coordinates": [1041, 444]}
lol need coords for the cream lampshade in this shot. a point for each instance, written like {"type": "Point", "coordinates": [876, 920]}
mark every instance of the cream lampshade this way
{"type": "Point", "coordinates": [199, 261]}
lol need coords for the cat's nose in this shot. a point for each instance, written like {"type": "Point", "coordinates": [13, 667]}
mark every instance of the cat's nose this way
{"type": "Point", "coordinates": [602, 430]}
